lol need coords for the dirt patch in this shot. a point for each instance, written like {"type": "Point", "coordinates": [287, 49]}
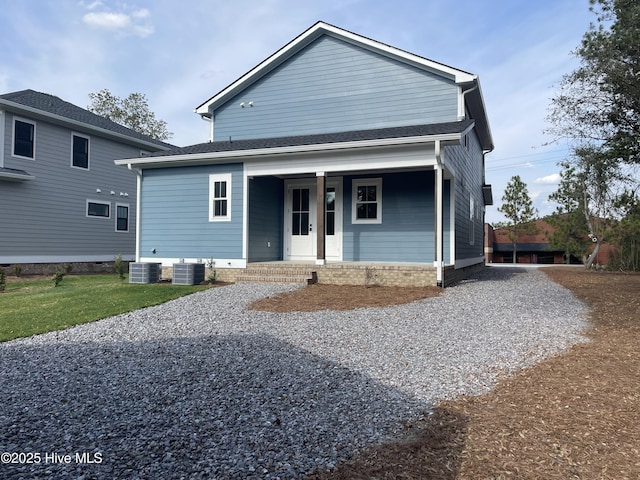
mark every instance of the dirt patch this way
{"type": "Point", "coordinates": [574, 416]}
{"type": "Point", "coordinates": [342, 297]}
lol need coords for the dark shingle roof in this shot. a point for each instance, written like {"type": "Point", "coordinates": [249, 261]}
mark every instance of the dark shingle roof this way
{"type": "Point", "coordinates": [319, 139]}
{"type": "Point", "coordinates": [56, 106]}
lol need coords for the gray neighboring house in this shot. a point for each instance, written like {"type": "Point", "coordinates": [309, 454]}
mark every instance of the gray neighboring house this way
{"type": "Point", "coordinates": [62, 199]}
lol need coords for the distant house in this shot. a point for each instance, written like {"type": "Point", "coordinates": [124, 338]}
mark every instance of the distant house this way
{"type": "Point", "coordinates": [63, 200]}
{"type": "Point", "coordinates": [533, 248]}
{"type": "Point", "coordinates": [338, 152]}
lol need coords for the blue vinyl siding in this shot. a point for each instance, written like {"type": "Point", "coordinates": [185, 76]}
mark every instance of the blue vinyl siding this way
{"type": "Point", "coordinates": [407, 230]}
{"type": "Point", "coordinates": [46, 218]}
{"type": "Point", "coordinates": [446, 220]}
{"type": "Point", "coordinates": [266, 207]}
{"type": "Point", "coordinates": [466, 162]}
{"type": "Point", "coordinates": [175, 214]}
{"type": "Point", "coordinates": [332, 86]}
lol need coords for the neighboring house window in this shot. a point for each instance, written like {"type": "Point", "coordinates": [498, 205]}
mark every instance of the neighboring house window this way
{"type": "Point", "coordinates": [122, 217]}
{"type": "Point", "coordinates": [367, 201]}
{"type": "Point", "coordinates": [472, 221]}
{"type": "Point", "coordinates": [79, 151]}
{"type": "Point", "coordinates": [219, 198]}
{"type": "Point", "coordinates": [24, 138]}
{"type": "Point", "coordinates": [98, 209]}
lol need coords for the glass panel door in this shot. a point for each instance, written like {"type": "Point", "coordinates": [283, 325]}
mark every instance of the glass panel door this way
{"type": "Point", "coordinates": [300, 212]}
{"type": "Point", "coordinates": [301, 242]}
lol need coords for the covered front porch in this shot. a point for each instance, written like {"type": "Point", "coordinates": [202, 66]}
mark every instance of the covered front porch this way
{"type": "Point", "coordinates": [380, 223]}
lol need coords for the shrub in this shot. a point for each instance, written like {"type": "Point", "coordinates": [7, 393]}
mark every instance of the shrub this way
{"type": "Point", "coordinates": [3, 280]}
{"type": "Point", "coordinates": [213, 274]}
{"type": "Point", "coordinates": [120, 266]}
{"type": "Point", "coordinates": [57, 277]}
{"type": "Point", "coordinates": [17, 270]}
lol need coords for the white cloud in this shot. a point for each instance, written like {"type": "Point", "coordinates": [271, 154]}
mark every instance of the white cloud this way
{"type": "Point", "coordinates": [92, 5]}
{"type": "Point", "coordinates": [142, 13]}
{"type": "Point", "coordinates": [552, 179]}
{"type": "Point", "coordinates": [107, 20]}
{"type": "Point", "coordinates": [136, 23]}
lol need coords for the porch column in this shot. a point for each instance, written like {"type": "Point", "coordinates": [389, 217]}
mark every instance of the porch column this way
{"type": "Point", "coordinates": [321, 207]}
{"type": "Point", "coordinates": [439, 223]}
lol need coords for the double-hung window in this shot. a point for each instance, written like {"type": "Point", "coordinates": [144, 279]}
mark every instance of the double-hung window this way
{"type": "Point", "coordinates": [122, 217]}
{"type": "Point", "coordinates": [79, 151]}
{"type": "Point", "coordinates": [24, 138]}
{"type": "Point", "coordinates": [367, 201]}
{"type": "Point", "coordinates": [220, 198]}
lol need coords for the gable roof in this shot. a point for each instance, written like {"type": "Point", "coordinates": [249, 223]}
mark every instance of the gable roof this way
{"type": "Point", "coordinates": [59, 111]}
{"type": "Point", "coordinates": [467, 81]}
{"type": "Point", "coordinates": [451, 131]}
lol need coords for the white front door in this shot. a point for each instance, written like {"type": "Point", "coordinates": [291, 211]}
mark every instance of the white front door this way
{"type": "Point", "coordinates": [300, 220]}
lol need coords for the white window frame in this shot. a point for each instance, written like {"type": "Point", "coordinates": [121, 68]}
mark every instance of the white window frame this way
{"type": "Point", "coordinates": [88, 139]}
{"type": "Point", "coordinates": [213, 178]}
{"type": "Point", "coordinates": [100, 202]}
{"type": "Point", "coordinates": [366, 182]}
{"type": "Point", "coordinates": [128, 217]}
{"type": "Point", "coordinates": [13, 138]}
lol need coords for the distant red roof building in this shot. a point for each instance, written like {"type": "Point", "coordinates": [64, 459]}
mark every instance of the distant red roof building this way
{"type": "Point", "coordinates": [531, 248]}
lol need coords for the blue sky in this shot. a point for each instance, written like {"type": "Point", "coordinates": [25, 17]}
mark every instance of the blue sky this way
{"type": "Point", "coordinates": [181, 52]}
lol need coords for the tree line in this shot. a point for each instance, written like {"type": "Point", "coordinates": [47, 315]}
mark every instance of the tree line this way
{"type": "Point", "coordinates": [597, 111]}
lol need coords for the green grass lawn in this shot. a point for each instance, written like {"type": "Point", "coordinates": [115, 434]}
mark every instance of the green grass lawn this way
{"type": "Point", "coordinates": [31, 306]}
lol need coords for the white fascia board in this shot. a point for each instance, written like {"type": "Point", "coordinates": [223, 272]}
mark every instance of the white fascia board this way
{"type": "Point", "coordinates": [69, 121]}
{"type": "Point", "coordinates": [459, 76]}
{"type": "Point", "coordinates": [15, 177]}
{"type": "Point", "coordinates": [225, 157]}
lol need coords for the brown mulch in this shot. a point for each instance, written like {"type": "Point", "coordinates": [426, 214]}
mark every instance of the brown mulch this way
{"type": "Point", "coordinates": [574, 416]}
{"type": "Point", "coordinates": [343, 297]}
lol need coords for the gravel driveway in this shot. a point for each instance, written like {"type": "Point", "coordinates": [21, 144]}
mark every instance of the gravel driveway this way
{"type": "Point", "coordinates": [200, 387]}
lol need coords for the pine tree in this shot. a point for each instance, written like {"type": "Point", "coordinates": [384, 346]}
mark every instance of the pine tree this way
{"type": "Point", "coordinates": [518, 208]}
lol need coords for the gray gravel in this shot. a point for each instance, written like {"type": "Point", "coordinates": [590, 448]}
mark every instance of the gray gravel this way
{"type": "Point", "coordinates": [200, 387]}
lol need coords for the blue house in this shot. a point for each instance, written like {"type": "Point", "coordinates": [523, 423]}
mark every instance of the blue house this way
{"type": "Point", "coordinates": [338, 152]}
{"type": "Point", "coordinates": [63, 201]}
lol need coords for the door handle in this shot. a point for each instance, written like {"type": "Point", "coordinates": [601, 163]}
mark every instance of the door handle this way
{"type": "Point", "coordinates": [311, 227]}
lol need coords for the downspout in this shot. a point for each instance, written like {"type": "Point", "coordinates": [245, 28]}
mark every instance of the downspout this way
{"type": "Point", "coordinates": [439, 216]}
{"type": "Point", "coordinates": [210, 120]}
{"type": "Point", "coordinates": [138, 208]}
{"type": "Point", "coordinates": [463, 112]}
